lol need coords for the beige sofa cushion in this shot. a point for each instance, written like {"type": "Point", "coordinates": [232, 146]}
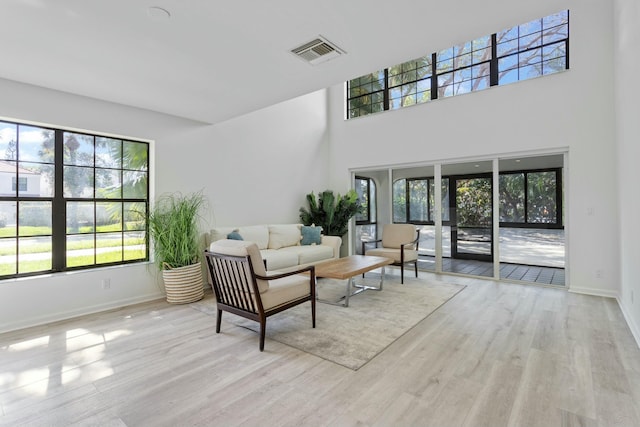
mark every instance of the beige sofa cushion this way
{"type": "Point", "coordinates": [284, 235]}
{"type": "Point", "coordinates": [259, 234]}
{"type": "Point", "coordinates": [256, 233]}
{"type": "Point", "coordinates": [220, 233]}
{"type": "Point", "coordinates": [278, 259]}
{"type": "Point", "coordinates": [307, 254]}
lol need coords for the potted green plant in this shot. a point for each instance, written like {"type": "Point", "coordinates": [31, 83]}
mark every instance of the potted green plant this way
{"type": "Point", "coordinates": [173, 227]}
{"type": "Point", "coordinates": [331, 212]}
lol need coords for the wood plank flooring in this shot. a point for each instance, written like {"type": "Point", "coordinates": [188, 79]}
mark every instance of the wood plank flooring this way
{"type": "Point", "coordinates": [497, 354]}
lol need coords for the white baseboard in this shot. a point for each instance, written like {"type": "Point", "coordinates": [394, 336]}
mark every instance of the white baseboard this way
{"type": "Point", "coordinates": [594, 292]}
{"type": "Point", "coordinates": [50, 318]}
{"type": "Point", "coordinates": [635, 330]}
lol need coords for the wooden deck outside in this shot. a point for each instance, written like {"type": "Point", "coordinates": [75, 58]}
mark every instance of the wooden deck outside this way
{"type": "Point", "coordinates": [508, 271]}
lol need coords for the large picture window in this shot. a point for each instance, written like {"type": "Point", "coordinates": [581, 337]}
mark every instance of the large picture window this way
{"type": "Point", "coordinates": [531, 198]}
{"type": "Point", "coordinates": [70, 200]}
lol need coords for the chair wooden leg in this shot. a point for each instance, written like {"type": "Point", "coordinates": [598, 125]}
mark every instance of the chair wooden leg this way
{"type": "Point", "coordinates": [415, 265]}
{"type": "Point", "coordinates": [313, 312]}
{"type": "Point", "coordinates": [402, 274]}
{"type": "Point", "coordinates": [263, 328]}
{"type": "Point", "coordinates": [219, 321]}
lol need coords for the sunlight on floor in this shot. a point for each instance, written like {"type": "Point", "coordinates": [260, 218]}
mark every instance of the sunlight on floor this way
{"type": "Point", "coordinates": [86, 361]}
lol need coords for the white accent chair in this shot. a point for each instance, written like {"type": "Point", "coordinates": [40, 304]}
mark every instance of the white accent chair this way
{"type": "Point", "coordinates": [400, 243]}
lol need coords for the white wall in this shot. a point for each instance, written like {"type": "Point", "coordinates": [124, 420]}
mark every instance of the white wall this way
{"type": "Point", "coordinates": [253, 169]}
{"type": "Point", "coordinates": [573, 109]}
{"type": "Point", "coordinates": [257, 168]}
{"type": "Point", "coordinates": [627, 60]}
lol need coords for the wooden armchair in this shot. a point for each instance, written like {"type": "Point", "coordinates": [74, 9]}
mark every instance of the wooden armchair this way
{"type": "Point", "coordinates": [242, 286]}
{"type": "Point", "coordinates": [400, 243]}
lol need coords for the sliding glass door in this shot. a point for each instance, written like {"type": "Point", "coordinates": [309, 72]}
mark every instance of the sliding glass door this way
{"type": "Point", "coordinates": [471, 219]}
{"type": "Point", "coordinates": [505, 223]}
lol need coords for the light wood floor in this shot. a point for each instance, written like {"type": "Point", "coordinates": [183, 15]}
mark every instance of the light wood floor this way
{"type": "Point", "coordinates": [494, 355]}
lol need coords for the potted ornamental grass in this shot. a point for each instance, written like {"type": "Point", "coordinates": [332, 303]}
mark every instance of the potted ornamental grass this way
{"type": "Point", "coordinates": [173, 227]}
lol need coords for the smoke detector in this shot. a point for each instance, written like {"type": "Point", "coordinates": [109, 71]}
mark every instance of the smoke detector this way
{"type": "Point", "coordinates": [317, 51]}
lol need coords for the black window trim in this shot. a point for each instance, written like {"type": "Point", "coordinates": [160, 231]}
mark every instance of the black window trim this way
{"type": "Point", "coordinates": [559, 206]}
{"type": "Point", "coordinates": [493, 72]}
{"type": "Point", "coordinates": [368, 220]}
{"type": "Point", "coordinates": [59, 202]}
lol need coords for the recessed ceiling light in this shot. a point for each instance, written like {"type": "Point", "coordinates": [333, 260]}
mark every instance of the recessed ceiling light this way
{"type": "Point", "coordinates": [517, 160]}
{"type": "Point", "coordinates": [158, 14]}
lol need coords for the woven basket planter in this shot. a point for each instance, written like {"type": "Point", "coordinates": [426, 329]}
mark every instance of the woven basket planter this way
{"type": "Point", "coordinates": [183, 284]}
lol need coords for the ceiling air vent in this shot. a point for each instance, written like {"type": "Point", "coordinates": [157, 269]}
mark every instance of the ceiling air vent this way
{"type": "Point", "coordinates": [317, 51]}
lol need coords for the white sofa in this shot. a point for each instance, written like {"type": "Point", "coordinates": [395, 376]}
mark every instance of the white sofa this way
{"type": "Point", "coordinates": [281, 245]}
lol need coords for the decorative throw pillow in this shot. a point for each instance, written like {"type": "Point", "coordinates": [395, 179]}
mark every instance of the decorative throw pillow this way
{"type": "Point", "coordinates": [311, 235]}
{"type": "Point", "coordinates": [234, 235]}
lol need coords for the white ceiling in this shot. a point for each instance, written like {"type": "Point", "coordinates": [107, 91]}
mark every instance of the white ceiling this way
{"type": "Point", "coordinates": [213, 60]}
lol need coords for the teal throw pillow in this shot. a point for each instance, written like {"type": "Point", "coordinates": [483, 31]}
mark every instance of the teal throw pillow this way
{"type": "Point", "coordinates": [234, 235]}
{"type": "Point", "coordinates": [311, 235]}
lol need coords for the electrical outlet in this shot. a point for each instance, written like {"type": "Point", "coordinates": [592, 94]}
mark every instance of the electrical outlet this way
{"type": "Point", "coordinates": [632, 296]}
{"type": "Point", "coordinates": [106, 283]}
{"type": "Point", "coordinates": [599, 274]}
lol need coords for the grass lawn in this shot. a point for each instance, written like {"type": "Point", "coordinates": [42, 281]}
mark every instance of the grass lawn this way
{"type": "Point", "coordinates": [74, 261]}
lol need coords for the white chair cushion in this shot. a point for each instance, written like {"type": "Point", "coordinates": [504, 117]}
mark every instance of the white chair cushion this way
{"type": "Point", "coordinates": [409, 255]}
{"type": "Point", "coordinates": [394, 235]}
{"type": "Point", "coordinates": [284, 290]}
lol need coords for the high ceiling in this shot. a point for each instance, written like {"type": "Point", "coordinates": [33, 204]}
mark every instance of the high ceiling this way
{"type": "Point", "coordinates": [213, 60]}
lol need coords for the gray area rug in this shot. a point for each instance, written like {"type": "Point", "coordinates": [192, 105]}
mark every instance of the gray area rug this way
{"type": "Point", "coordinates": [351, 336]}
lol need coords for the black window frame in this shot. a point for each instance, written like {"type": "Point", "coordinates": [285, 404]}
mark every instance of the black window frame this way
{"type": "Point", "coordinates": [58, 201]}
{"type": "Point", "coordinates": [369, 206]}
{"type": "Point", "coordinates": [360, 102]}
{"type": "Point", "coordinates": [430, 197]}
{"type": "Point", "coordinates": [558, 224]}
{"type": "Point", "coordinates": [537, 40]}
{"type": "Point", "coordinates": [507, 224]}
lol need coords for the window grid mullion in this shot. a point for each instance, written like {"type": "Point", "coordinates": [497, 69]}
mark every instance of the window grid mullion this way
{"type": "Point", "coordinates": [59, 208]}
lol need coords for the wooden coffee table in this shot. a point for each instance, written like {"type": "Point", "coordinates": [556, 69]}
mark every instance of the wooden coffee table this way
{"type": "Point", "coordinates": [347, 268]}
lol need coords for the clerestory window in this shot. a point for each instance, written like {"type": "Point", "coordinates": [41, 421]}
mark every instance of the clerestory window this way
{"type": "Point", "coordinates": [533, 49]}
